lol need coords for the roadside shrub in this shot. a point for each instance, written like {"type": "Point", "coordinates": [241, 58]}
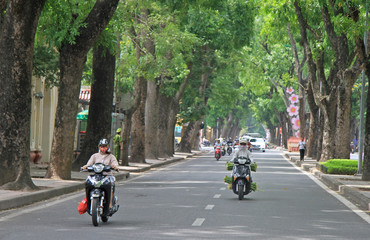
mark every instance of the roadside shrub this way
{"type": "Point", "coordinates": [340, 166]}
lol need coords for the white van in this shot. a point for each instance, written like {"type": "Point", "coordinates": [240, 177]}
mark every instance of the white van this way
{"type": "Point", "coordinates": [258, 144]}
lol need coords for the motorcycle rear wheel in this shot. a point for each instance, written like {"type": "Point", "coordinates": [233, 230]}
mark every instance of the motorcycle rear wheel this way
{"type": "Point", "coordinates": [95, 212]}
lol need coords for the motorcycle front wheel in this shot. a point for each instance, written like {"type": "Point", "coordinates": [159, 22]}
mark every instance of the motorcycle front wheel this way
{"type": "Point", "coordinates": [217, 156]}
{"type": "Point", "coordinates": [95, 212]}
{"type": "Point", "coordinates": [240, 191]}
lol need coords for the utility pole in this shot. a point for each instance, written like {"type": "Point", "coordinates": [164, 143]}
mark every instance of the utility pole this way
{"type": "Point", "coordinates": [362, 106]}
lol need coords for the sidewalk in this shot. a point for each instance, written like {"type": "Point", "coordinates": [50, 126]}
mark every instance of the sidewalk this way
{"type": "Point", "coordinates": [52, 188]}
{"type": "Point", "coordinates": [351, 187]}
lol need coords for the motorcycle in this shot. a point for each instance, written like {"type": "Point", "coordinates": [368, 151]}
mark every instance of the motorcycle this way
{"type": "Point", "coordinates": [241, 177]}
{"type": "Point", "coordinates": [98, 189]}
{"type": "Point", "coordinates": [223, 150]}
{"type": "Point", "coordinates": [218, 153]}
{"type": "Point", "coordinates": [229, 148]}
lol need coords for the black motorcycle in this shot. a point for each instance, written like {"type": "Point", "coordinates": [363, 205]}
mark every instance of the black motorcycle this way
{"type": "Point", "coordinates": [241, 177]}
{"type": "Point", "coordinates": [223, 150]}
{"type": "Point", "coordinates": [229, 148]}
{"type": "Point", "coordinates": [98, 194]}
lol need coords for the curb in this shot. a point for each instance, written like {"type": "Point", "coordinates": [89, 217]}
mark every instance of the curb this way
{"type": "Point", "coordinates": [41, 195]}
{"type": "Point", "coordinates": [354, 196]}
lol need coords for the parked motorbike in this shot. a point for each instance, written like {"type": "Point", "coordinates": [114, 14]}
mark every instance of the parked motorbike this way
{"type": "Point", "coordinates": [241, 177]}
{"type": "Point", "coordinates": [229, 148]}
{"type": "Point", "coordinates": [218, 153]}
{"type": "Point", "coordinates": [98, 194]}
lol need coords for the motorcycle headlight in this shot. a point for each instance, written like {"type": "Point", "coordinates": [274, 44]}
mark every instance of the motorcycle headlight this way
{"type": "Point", "coordinates": [242, 161]}
{"type": "Point", "coordinates": [98, 168]}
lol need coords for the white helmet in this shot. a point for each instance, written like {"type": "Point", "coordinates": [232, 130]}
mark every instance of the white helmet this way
{"type": "Point", "coordinates": [243, 141]}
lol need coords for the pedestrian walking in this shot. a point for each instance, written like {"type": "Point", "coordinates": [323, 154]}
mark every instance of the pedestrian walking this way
{"type": "Point", "coordinates": [302, 148]}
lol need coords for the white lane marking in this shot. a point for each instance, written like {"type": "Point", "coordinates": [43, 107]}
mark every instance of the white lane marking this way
{"type": "Point", "coordinates": [347, 203]}
{"type": "Point", "coordinates": [217, 196]}
{"type": "Point", "coordinates": [209, 207]}
{"type": "Point", "coordinates": [223, 188]}
{"type": "Point", "coordinates": [198, 222]}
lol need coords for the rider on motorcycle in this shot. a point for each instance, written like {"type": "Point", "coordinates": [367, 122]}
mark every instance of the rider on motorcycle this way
{"type": "Point", "coordinates": [217, 143]}
{"type": "Point", "coordinates": [224, 145]}
{"type": "Point", "coordinates": [108, 159]}
{"type": "Point", "coordinates": [242, 151]}
{"type": "Point", "coordinates": [236, 143]}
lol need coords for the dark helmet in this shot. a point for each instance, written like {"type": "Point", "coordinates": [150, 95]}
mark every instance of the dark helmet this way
{"type": "Point", "coordinates": [103, 142]}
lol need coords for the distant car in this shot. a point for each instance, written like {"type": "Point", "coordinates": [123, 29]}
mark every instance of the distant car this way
{"type": "Point", "coordinates": [258, 144]}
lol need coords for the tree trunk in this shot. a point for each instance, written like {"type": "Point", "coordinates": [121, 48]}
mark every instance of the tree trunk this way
{"type": "Point", "coordinates": [320, 137]}
{"type": "Point", "coordinates": [137, 149]}
{"type": "Point", "coordinates": [100, 110]}
{"type": "Point", "coordinates": [168, 109]}
{"type": "Point", "coordinates": [151, 120]}
{"type": "Point", "coordinates": [234, 129]}
{"type": "Point", "coordinates": [366, 151]}
{"type": "Point", "coordinates": [343, 136]}
{"type": "Point", "coordinates": [137, 153]}
{"type": "Point", "coordinates": [196, 134]}
{"type": "Point", "coordinates": [164, 127]}
{"type": "Point", "coordinates": [227, 128]}
{"type": "Point", "coordinates": [71, 60]}
{"type": "Point", "coordinates": [186, 140]}
{"type": "Point", "coordinates": [17, 34]}
{"type": "Point", "coordinates": [126, 136]}
{"type": "Point", "coordinates": [330, 120]}
{"type": "Point", "coordinates": [313, 129]}
{"type": "Point", "coordinates": [213, 136]}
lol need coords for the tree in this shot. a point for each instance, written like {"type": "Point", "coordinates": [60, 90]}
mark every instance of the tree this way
{"type": "Point", "coordinates": [72, 58]}
{"type": "Point", "coordinates": [100, 108]}
{"type": "Point", "coordinates": [18, 24]}
{"type": "Point", "coordinates": [347, 56]}
{"type": "Point", "coordinates": [224, 27]}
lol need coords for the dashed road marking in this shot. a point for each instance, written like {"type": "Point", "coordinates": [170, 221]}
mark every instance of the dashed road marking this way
{"type": "Point", "coordinates": [223, 188]}
{"type": "Point", "coordinates": [209, 207]}
{"type": "Point", "coordinates": [217, 196]}
{"type": "Point", "coordinates": [198, 222]}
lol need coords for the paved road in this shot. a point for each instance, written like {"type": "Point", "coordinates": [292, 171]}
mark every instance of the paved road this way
{"type": "Point", "coordinates": [189, 200]}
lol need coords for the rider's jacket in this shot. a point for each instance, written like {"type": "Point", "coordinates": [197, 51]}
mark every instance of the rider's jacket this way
{"type": "Point", "coordinates": [217, 145]}
{"type": "Point", "coordinates": [242, 153]}
{"type": "Point", "coordinates": [106, 159]}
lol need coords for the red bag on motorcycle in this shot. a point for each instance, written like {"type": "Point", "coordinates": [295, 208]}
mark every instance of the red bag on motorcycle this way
{"type": "Point", "coordinates": [82, 207]}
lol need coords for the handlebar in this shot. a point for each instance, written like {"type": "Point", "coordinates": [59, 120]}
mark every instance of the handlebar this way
{"type": "Point", "coordinates": [86, 170]}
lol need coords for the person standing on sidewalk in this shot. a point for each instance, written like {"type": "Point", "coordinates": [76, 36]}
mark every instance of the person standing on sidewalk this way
{"type": "Point", "coordinates": [302, 148]}
{"type": "Point", "coordinates": [117, 144]}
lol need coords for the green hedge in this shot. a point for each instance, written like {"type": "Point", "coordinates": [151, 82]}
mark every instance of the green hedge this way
{"type": "Point", "coordinates": [340, 166]}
